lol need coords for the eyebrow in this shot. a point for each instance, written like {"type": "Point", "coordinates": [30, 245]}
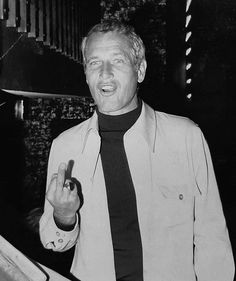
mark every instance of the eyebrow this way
{"type": "Point", "coordinates": [120, 54]}
{"type": "Point", "coordinates": [91, 58]}
{"type": "Point", "coordinates": [123, 54]}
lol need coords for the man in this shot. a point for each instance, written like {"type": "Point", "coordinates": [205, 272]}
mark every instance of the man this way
{"type": "Point", "coordinates": [133, 189]}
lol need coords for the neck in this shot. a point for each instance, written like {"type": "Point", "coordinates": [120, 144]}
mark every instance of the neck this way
{"type": "Point", "coordinates": [121, 122]}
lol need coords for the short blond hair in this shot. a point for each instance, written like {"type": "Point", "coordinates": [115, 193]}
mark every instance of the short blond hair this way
{"type": "Point", "coordinates": [137, 47]}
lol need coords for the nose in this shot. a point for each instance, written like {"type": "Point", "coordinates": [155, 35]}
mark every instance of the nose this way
{"type": "Point", "coordinates": [106, 70]}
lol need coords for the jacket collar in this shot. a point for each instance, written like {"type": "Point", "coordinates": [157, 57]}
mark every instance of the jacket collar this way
{"type": "Point", "coordinates": [146, 126]}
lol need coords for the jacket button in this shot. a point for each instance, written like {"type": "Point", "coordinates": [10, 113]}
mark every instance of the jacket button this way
{"type": "Point", "coordinates": [181, 197]}
{"type": "Point", "coordinates": [60, 240]}
{"type": "Point", "coordinates": [58, 233]}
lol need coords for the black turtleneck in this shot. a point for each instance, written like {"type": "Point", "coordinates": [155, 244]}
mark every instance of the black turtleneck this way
{"type": "Point", "coordinates": [121, 195]}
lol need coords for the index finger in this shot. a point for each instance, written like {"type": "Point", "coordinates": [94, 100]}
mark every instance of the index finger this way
{"type": "Point", "coordinates": [61, 175]}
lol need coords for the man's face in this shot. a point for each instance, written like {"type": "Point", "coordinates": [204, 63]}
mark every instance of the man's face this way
{"type": "Point", "coordinates": [111, 74]}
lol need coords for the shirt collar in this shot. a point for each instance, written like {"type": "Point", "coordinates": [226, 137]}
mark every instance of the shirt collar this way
{"type": "Point", "coordinates": [145, 125]}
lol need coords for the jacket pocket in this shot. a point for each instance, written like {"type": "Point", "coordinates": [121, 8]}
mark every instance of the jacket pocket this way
{"type": "Point", "coordinates": [177, 204]}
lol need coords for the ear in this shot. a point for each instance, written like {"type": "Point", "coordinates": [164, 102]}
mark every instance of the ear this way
{"type": "Point", "coordinates": [142, 70]}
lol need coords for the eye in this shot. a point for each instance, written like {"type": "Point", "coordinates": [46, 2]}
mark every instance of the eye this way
{"type": "Point", "coordinates": [119, 61]}
{"type": "Point", "coordinates": [94, 63]}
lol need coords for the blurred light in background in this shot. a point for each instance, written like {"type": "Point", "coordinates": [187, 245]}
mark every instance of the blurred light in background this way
{"type": "Point", "coordinates": [188, 46]}
{"type": "Point", "coordinates": [19, 109]}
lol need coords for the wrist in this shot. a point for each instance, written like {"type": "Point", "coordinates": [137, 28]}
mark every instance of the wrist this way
{"type": "Point", "coordinates": [64, 220]}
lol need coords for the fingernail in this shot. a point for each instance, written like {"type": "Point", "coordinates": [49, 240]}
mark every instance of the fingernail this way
{"type": "Point", "coordinates": [63, 166]}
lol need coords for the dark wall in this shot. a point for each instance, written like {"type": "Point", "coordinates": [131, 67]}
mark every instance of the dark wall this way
{"type": "Point", "coordinates": [214, 100]}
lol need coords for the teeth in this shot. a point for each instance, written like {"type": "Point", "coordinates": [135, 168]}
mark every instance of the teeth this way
{"type": "Point", "coordinates": [108, 88]}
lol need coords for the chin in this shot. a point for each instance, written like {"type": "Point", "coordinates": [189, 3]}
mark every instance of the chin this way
{"type": "Point", "coordinates": [108, 109]}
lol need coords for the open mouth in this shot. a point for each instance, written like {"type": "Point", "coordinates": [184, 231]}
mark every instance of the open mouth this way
{"type": "Point", "coordinates": [107, 89]}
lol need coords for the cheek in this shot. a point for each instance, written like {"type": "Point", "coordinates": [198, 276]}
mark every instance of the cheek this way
{"type": "Point", "coordinates": [91, 81]}
{"type": "Point", "coordinates": [90, 76]}
{"type": "Point", "coordinates": [130, 81]}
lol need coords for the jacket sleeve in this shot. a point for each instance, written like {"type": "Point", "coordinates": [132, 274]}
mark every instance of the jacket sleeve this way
{"type": "Point", "coordinates": [213, 258]}
{"type": "Point", "coordinates": [51, 236]}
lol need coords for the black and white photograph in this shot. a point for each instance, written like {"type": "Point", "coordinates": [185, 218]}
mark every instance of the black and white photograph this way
{"type": "Point", "coordinates": [118, 140]}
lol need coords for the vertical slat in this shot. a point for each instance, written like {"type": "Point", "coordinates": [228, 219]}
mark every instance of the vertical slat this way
{"type": "Point", "coordinates": [40, 21]}
{"type": "Point", "coordinates": [47, 23]}
{"type": "Point", "coordinates": [54, 24]}
{"type": "Point", "coordinates": [76, 30]}
{"type": "Point", "coordinates": [63, 25]}
{"type": "Point", "coordinates": [60, 33]}
{"type": "Point", "coordinates": [65, 41]}
{"type": "Point", "coordinates": [13, 18]}
{"type": "Point", "coordinates": [69, 27]}
{"type": "Point", "coordinates": [2, 16]}
{"type": "Point", "coordinates": [28, 19]}
{"type": "Point", "coordinates": [72, 29]}
{"type": "Point", "coordinates": [32, 29]}
{"type": "Point", "coordinates": [3, 9]}
{"type": "Point", "coordinates": [80, 34]}
{"type": "Point", "coordinates": [23, 16]}
{"type": "Point", "coordinates": [37, 18]}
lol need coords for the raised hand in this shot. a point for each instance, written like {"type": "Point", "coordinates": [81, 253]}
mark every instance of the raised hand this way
{"type": "Point", "coordinates": [63, 196]}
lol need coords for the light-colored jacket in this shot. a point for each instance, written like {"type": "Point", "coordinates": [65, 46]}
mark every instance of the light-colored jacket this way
{"type": "Point", "coordinates": [182, 225]}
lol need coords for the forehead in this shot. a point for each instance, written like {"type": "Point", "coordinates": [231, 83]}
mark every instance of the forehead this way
{"type": "Point", "coordinates": [108, 42]}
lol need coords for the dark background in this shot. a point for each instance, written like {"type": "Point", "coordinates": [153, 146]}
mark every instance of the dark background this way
{"type": "Point", "coordinates": [28, 65]}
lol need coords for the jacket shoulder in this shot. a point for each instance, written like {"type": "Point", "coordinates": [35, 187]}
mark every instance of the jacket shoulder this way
{"type": "Point", "coordinates": [176, 131]}
{"type": "Point", "coordinates": [173, 123]}
{"type": "Point", "coordinates": [73, 134]}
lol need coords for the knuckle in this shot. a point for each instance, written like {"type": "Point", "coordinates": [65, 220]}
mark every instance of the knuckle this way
{"type": "Point", "coordinates": [49, 196]}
